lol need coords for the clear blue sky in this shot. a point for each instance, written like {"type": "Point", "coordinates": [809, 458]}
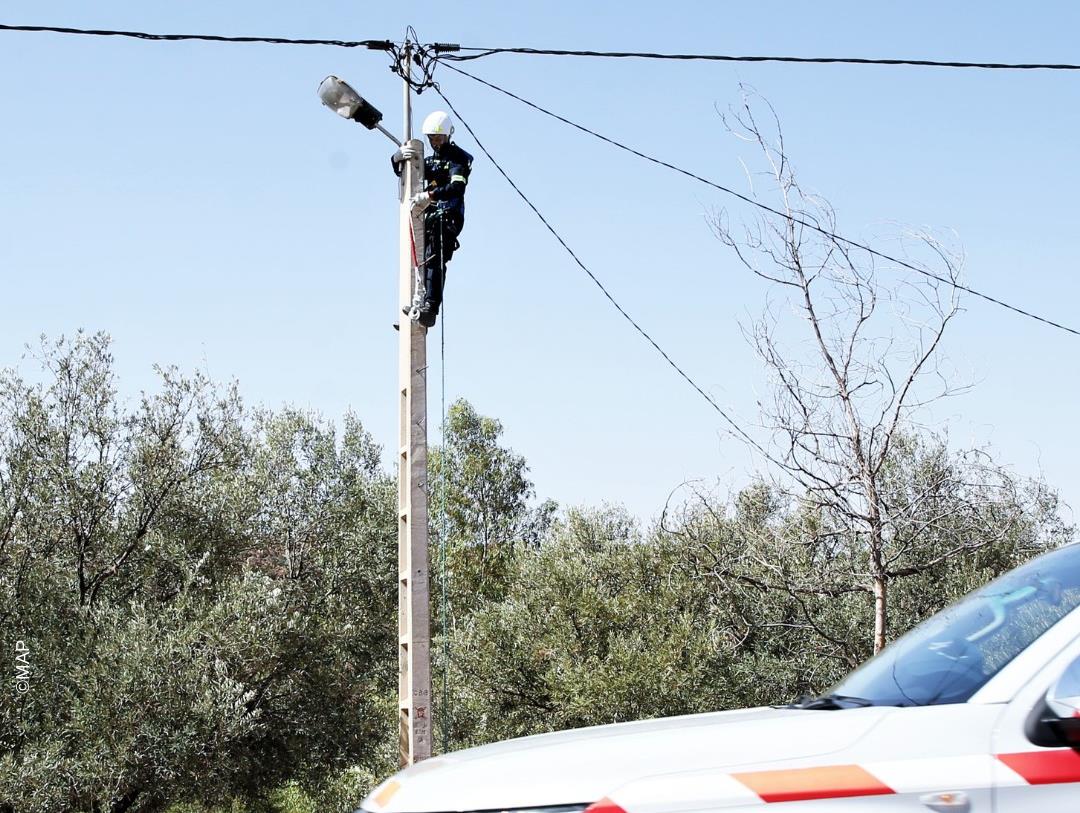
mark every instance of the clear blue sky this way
{"type": "Point", "coordinates": [196, 202]}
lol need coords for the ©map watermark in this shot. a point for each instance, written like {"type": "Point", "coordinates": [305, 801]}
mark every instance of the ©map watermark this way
{"type": "Point", "coordinates": [23, 672]}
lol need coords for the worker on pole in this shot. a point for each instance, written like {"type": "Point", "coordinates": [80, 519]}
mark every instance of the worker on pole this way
{"type": "Point", "coordinates": [446, 173]}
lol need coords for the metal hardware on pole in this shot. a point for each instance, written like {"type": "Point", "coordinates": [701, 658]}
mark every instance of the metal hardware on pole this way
{"type": "Point", "coordinates": [387, 133]}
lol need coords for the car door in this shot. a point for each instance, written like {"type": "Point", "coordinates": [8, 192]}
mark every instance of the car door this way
{"type": "Point", "coordinates": [1033, 770]}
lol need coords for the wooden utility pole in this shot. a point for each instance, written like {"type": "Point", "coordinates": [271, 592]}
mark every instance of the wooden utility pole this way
{"type": "Point", "coordinates": [414, 629]}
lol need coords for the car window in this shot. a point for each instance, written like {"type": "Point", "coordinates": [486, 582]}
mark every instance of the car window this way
{"type": "Point", "coordinates": [952, 655]}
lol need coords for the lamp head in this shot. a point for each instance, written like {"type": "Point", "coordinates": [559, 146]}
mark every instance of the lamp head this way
{"type": "Point", "coordinates": [339, 96]}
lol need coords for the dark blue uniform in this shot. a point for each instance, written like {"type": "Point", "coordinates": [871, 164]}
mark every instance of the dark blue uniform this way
{"type": "Point", "coordinates": [446, 174]}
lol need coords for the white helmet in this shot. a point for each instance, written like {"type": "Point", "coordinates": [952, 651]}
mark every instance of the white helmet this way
{"type": "Point", "coordinates": [438, 123]}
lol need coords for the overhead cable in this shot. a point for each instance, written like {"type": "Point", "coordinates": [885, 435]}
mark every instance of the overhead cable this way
{"type": "Point", "coordinates": [480, 53]}
{"type": "Point", "coordinates": [746, 199]}
{"type": "Point", "coordinates": [379, 45]}
{"type": "Point", "coordinates": [735, 428]}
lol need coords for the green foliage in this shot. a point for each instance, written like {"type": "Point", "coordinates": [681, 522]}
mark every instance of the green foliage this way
{"type": "Point", "coordinates": [726, 605]}
{"type": "Point", "coordinates": [206, 597]}
{"type": "Point", "coordinates": [483, 522]}
{"type": "Point", "coordinates": [483, 491]}
{"type": "Point", "coordinates": [599, 626]}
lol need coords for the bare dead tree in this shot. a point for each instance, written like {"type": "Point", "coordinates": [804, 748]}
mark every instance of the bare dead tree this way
{"type": "Point", "coordinates": [852, 379]}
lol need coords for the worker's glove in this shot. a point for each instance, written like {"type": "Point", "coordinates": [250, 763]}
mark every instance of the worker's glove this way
{"type": "Point", "coordinates": [421, 202]}
{"type": "Point", "coordinates": [408, 152]}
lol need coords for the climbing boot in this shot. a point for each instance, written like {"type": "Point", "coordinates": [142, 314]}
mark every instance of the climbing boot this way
{"type": "Point", "coordinates": [428, 311]}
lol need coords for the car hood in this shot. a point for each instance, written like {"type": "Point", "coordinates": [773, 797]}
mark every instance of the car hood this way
{"type": "Point", "coordinates": [581, 766]}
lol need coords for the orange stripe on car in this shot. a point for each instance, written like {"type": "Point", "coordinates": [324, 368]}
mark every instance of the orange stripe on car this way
{"type": "Point", "coordinates": [802, 784]}
{"type": "Point", "coordinates": [387, 793]}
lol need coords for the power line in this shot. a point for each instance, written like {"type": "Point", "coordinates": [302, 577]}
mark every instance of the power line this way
{"type": "Point", "coordinates": [806, 223]}
{"type": "Point", "coordinates": [480, 53]}
{"type": "Point", "coordinates": [380, 45]}
{"type": "Point", "coordinates": [737, 430]}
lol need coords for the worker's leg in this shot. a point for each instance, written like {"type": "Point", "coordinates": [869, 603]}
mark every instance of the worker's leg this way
{"type": "Point", "coordinates": [440, 232]}
{"type": "Point", "coordinates": [452, 224]}
{"type": "Point", "coordinates": [434, 268]}
{"type": "Point", "coordinates": [434, 262]}
{"type": "Point", "coordinates": [449, 225]}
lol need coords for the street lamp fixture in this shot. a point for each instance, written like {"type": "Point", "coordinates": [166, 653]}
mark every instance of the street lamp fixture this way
{"type": "Point", "coordinates": [340, 97]}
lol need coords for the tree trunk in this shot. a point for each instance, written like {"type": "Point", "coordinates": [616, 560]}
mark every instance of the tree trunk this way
{"type": "Point", "coordinates": [877, 559]}
{"type": "Point", "coordinates": [881, 597]}
{"type": "Point", "coordinates": [122, 803]}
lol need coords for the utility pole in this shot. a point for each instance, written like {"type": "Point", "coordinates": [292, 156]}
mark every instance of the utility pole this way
{"type": "Point", "coordinates": [414, 625]}
{"type": "Point", "coordinates": [414, 628]}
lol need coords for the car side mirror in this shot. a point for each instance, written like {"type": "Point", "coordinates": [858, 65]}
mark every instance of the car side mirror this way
{"type": "Point", "coordinates": [1056, 720]}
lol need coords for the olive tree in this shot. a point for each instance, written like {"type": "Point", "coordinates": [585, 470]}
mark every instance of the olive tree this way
{"type": "Point", "coordinates": [852, 343]}
{"type": "Point", "coordinates": [207, 596]}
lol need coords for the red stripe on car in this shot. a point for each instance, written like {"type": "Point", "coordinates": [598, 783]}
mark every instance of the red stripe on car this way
{"type": "Point", "coordinates": [1045, 767]}
{"type": "Point", "coordinates": [604, 805]}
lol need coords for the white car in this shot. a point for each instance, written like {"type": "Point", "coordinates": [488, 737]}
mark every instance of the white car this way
{"type": "Point", "coordinates": [977, 709]}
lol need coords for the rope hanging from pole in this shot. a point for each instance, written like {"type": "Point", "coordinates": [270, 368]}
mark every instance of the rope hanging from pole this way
{"type": "Point", "coordinates": [445, 716]}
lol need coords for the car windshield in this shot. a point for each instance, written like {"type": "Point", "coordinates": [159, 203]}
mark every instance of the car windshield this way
{"type": "Point", "coordinates": [952, 655]}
